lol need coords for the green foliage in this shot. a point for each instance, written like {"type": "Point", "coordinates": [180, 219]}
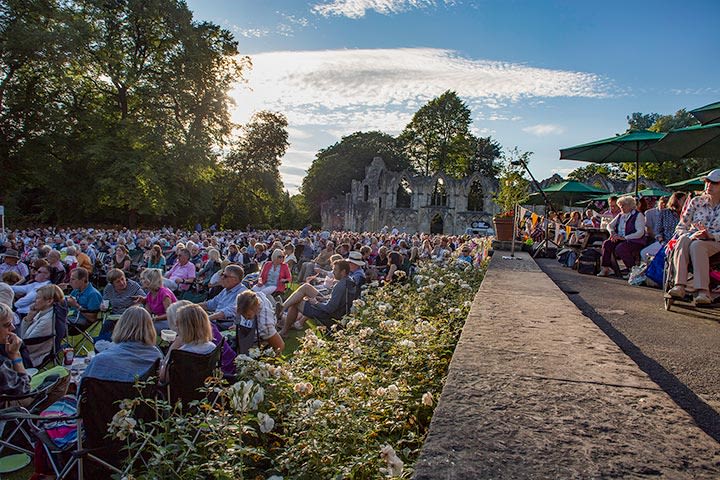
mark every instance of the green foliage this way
{"type": "Point", "coordinates": [514, 188]}
{"type": "Point", "coordinates": [335, 167]}
{"type": "Point", "coordinates": [438, 137]}
{"type": "Point", "coordinates": [610, 170]}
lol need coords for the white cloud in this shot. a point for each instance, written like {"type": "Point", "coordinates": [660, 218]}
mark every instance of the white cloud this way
{"type": "Point", "coordinates": [358, 8]}
{"type": "Point", "coordinates": [251, 32]}
{"type": "Point", "coordinates": [544, 129]}
{"type": "Point", "coordinates": [330, 93]}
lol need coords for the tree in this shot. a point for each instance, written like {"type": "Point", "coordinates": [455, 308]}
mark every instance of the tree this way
{"type": "Point", "coordinates": [640, 121]}
{"type": "Point", "coordinates": [438, 137]}
{"type": "Point", "coordinates": [335, 167]}
{"type": "Point", "coordinates": [514, 188]}
{"type": "Point", "coordinates": [250, 191]}
{"type": "Point", "coordinates": [486, 152]}
{"type": "Point", "coordinates": [609, 170]}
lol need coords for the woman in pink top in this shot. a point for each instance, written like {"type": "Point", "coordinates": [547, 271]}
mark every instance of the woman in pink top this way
{"type": "Point", "coordinates": [159, 298]}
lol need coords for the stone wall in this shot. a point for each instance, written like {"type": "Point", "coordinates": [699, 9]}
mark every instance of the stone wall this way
{"type": "Point", "coordinates": [410, 202]}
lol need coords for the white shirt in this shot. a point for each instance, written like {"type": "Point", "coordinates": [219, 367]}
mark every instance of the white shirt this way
{"type": "Point", "coordinates": [30, 290]}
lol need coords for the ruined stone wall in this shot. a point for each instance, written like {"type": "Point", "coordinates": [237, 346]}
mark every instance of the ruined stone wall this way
{"type": "Point", "coordinates": [374, 202]}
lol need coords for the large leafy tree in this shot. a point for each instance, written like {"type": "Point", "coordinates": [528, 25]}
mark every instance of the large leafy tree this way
{"type": "Point", "coordinates": [438, 137]}
{"type": "Point", "coordinates": [335, 167]}
{"type": "Point", "coordinates": [132, 108]}
{"type": "Point", "coordinates": [250, 190]}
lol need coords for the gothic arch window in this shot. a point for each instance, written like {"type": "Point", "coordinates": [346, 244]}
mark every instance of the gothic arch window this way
{"type": "Point", "coordinates": [404, 194]}
{"type": "Point", "coordinates": [476, 198]}
{"type": "Point", "coordinates": [366, 193]}
{"type": "Point", "coordinates": [439, 195]}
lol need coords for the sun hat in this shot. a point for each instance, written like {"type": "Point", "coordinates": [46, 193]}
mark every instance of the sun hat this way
{"type": "Point", "coordinates": [713, 176]}
{"type": "Point", "coordinates": [356, 258]}
{"type": "Point", "coordinates": [11, 253]}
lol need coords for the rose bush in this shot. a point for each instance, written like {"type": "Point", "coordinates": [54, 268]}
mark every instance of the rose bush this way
{"type": "Point", "coordinates": [355, 402]}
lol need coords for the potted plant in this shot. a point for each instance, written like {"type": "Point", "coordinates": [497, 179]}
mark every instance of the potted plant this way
{"type": "Point", "coordinates": [513, 190]}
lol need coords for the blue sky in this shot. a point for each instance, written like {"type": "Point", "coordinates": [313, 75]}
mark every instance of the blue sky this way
{"type": "Point", "coordinates": [539, 75]}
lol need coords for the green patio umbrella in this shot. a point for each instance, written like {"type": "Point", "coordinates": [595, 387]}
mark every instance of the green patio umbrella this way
{"type": "Point", "coordinates": [689, 142]}
{"type": "Point", "coordinates": [565, 192]}
{"type": "Point", "coordinates": [635, 146]}
{"type": "Point", "coordinates": [691, 184]}
{"type": "Point", "coordinates": [654, 192]}
{"type": "Point", "coordinates": [708, 113]}
{"type": "Point", "coordinates": [600, 198]}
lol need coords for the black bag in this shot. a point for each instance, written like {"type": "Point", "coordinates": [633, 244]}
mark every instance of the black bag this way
{"type": "Point", "coordinates": [589, 262]}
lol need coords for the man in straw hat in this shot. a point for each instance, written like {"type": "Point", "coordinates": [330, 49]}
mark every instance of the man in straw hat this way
{"type": "Point", "coordinates": [11, 263]}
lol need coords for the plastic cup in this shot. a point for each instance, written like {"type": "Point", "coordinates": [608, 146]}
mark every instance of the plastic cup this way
{"type": "Point", "coordinates": [168, 335]}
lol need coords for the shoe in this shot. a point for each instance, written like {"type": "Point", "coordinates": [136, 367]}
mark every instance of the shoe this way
{"type": "Point", "coordinates": [702, 299]}
{"type": "Point", "coordinates": [604, 272]}
{"type": "Point", "coordinates": [678, 291]}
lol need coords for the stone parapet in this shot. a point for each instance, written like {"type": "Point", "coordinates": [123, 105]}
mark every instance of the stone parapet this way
{"type": "Point", "coordinates": [536, 390]}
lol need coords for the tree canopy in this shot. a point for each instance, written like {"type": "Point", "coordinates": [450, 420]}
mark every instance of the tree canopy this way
{"type": "Point", "coordinates": [336, 166]}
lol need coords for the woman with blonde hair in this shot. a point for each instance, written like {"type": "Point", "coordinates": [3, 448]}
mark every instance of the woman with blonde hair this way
{"type": "Point", "coordinates": [132, 352]}
{"type": "Point", "coordinates": [39, 321]}
{"type": "Point", "coordinates": [158, 298]}
{"type": "Point", "coordinates": [275, 275]}
{"type": "Point", "coordinates": [194, 334]}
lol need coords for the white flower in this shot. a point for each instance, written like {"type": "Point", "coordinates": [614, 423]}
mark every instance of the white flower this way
{"type": "Point", "coordinates": [407, 343]}
{"type": "Point", "coordinates": [358, 377]}
{"type": "Point", "coordinates": [303, 388]}
{"type": "Point", "coordinates": [380, 392]}
{"type": "Point", "coordinates": [393, 463]}
{"type": "Point", "coordinates": [246, 395]}
{"type": "Point", "coordinates": [331, 380]}
{"type": "Point", "coordinates": [315, 405]}
{"type": "Point", "coordinates": [254, 353]}
{"type": "Point", "coordinates": [343, 392]}
{"type": "Point", "coordinates": [358, 303]}
{"type": "Point", "coordinates": [265, 422]}
{"type": "Point", "coordinates": [122, 424]}
{"type": "Point", "coordinates": [393, 390]}
{"type": "Point", "coordinates": [427, 399]}
{"type": "Point", "coordinates": [365, 332]}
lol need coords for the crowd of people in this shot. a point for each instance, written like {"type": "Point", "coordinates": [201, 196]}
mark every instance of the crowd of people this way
{"type": "Point", "coordinates": [639, 230]}
{"type": "Point", "coordinates": [200, 285]}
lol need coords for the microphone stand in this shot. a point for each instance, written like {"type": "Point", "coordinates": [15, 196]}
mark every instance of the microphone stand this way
{"type": "Point", "coordinates": [548, 208]}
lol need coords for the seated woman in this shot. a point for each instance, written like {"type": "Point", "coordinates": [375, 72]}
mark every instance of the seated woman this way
{"type": "Point", "coordinates": [665, 226]}
{"type": "Point", "coordinates": [158, 298]}
{"type": "Point", "coordinates": [227, 360]}
{"type": "Point", "coordinates": [698, 239]}
{"type": "Point", "coordinates": [194, 334]}
{"type": "Point", "coordinates": [121, 259]}
{"type": "Point", "coordinates": [275, 275]}
{"type": "Point", "coordinates": [156, 259]}
{"type": "Point", "coordinates": [132, 352]}
{"type": "Point", "coordinates": [258, 308]}
{"type": "Point", "coordinates": [14, 379]}
{"type": "Point", "coordinates": [211, 266]}
{"type": "Point", "coordinates": [39, 322]}
{"type": "Point", "coordinates": [627, 236]}
{"type": "Point", "coordinates": [290, 257]}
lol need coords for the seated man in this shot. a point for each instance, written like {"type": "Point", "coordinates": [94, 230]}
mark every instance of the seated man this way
{"type": "Point", "coordinates": [25, 294]}
{"type": "Point", "coordinates": [11, 263]}
{"type": "Point", "coordinates": [256, 308]}
{"type": "Point", "coordinates": [699, 239]}
{"type": "Point", "coordinates": [182, 274]}
{"type": "Point", "coordinates": [222, 307]}
{"type": "Point", "coordinates": [84, 300]}
{"type": "Point", "coordinates": [304, 299]}
{"type": "Point", "coordinates": [322, 261]}
{"type": "Point", "coordinates": [356, 261]}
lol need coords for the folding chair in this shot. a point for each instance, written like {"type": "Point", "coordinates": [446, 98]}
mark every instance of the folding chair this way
{"type": "Point", "coordinates": [187, 372]}
{"type": "Point", "coordinates": [16, 431]}
{"type": "Point", "coordinates": [59, 332]}
{"type": "Point", "coordinates": [98, 402]}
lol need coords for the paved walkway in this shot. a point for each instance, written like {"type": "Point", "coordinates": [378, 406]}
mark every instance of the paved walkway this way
{"type": "Point", "coordinates": [536, 390]}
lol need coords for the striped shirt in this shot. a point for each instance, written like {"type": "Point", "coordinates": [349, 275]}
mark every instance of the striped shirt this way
{"type": "Point", "coordinates": [121, 301]}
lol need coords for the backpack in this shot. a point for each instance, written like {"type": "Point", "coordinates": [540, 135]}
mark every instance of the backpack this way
{"type": "Point", "coordinates": [588, 262]}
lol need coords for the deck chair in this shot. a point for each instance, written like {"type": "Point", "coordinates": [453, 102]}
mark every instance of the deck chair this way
{"type": "Point", "coordinates": [187, 373]}
{"type": "Point", "coordinates": [98, 402]}
{"type": "Point", "coordinates": [15, 430]}
{"type": "Point", "coordinates": [59, 331]}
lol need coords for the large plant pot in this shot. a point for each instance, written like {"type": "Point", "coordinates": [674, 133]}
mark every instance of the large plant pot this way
{"type": "Point", "coordinates": [504, 228]}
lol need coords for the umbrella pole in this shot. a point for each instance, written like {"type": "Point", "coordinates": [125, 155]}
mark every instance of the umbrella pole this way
{"type": "Point", "coordinates": [637, 171]}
